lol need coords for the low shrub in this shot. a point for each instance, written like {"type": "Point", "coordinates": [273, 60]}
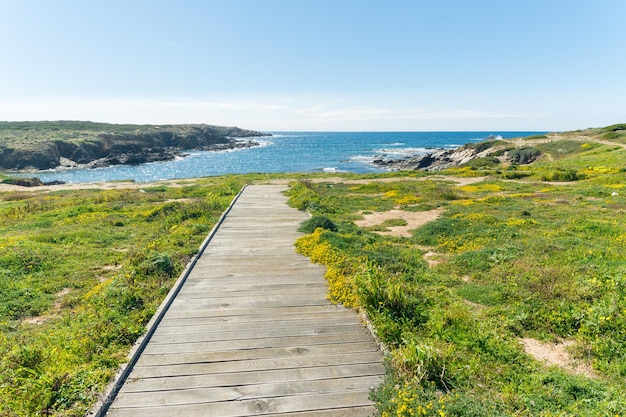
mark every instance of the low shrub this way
{"type": "Point", "coordinates": [523, 156]}
{"type": "Point", "coordinates": [562, 174]}
{"type": "Point", "coordinates": [314, 222]}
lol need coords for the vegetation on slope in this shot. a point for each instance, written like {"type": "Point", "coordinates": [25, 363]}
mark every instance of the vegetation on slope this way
{"type": "Point", "coordinates": [44, 145]}
{"type": "Point", "coordinates": [516, 260]}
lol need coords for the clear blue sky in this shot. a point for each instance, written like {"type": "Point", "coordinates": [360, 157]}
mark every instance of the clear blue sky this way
{"type": "Point", "coordinates": [317, 64]}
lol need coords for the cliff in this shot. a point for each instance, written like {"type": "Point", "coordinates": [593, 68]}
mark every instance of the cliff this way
{"type": "Point", "coordinates": [47, 145]}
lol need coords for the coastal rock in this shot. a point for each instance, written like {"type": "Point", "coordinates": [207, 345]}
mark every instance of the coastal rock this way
{"type": "Point", "coordinates": [437, 160]}
{"type": "Point", "coordinates": [92, 145]}
{"type": "Point", "coordinates": [23, 182]}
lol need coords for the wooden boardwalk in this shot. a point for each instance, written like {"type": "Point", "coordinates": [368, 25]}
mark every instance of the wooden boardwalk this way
{"type": "Point", "coordinates": [251, 332]}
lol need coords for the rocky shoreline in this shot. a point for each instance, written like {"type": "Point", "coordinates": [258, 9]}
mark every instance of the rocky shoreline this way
{"type": "Point", "coordinates": [36, 146]}
{"type": "Point", "coordinates": [127, 158]}
{"type": "Point", "coordinates": [440, 159]}
{"type": "Point", "coordinates": [436, 160]}
{"type": "Point", "coordinates": [148, 155]}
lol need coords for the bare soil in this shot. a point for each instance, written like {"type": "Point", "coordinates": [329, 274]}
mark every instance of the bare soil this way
{"type": "Point", "coordinates": [413, 219]}
{"type": "Point", "coordinates": [556, 354]}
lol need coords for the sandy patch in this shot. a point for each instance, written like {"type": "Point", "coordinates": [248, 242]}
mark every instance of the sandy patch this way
{"type": "Point", "coordinates": [556, 354]}
{"type": "Point", "coordinates": [56, 306]}
{"type": "Point", "coordinates": [432, 258]}
{"type": "Point", "coordinates": [414, 219]}
{"type": "Point", "coordinates": [113, 185]}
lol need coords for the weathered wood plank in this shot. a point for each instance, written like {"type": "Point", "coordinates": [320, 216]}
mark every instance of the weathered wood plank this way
{"type": "Point", "coordinates": [305, 361]}
{"type": "Point", "coordinates": [246, 295]}
{"type": "Point", "coordinates": [164, 337]}
{"type": "Point", "coordinates": [260, 406]}
{"type": "Point", "coordinates": [198, 356]}
{"type": "Point", "coordinates": [262, 312]}
{"type": "Point", "coordinates": [258, 325]}
{"type": "Point", "coordinates": [229, 379]}
{"type": "Point", "coordinates": [256, 343]}
{"type": "Point", "coordinates": [247, 303]}
{"type": "Point", "coordinates": [246, 392]}
{"type": "Point", "coordinates": [251, 318]}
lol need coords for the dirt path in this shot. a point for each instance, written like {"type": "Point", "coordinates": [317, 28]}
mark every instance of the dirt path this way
{"type": "Point", "coordinates": [113, 185]}
{"type": "Point", "coordinates": [556, 137]}
{"type": "Point", "coordinates": [118, 185]}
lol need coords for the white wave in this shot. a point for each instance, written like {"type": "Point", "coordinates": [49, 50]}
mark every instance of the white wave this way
{"type": "Point", "coordinates": [490, 137]}
{"type": "Point", "coordinates": [362, 158]}
{"type": "Point", "coordinates": [263, 143]}
{"type": "Point", "coordinates": [396, 144]}
{"type": "Point", "coordinates": [402, 151]}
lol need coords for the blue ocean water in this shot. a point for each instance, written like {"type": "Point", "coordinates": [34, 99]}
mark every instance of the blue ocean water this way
{"type": "Point", "coordinates": [285, 152]}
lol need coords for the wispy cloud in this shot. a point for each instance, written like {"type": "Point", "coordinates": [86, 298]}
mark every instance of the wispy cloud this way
{"type": "Point", "coordinates": [232, 105]}
{"type": "Point", "coordinates": [322, 113]}
{"type": "Point", "coordinates": [278, 113]}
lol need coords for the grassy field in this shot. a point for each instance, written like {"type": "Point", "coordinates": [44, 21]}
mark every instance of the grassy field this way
{"type": "Point", "coordinates": [520, 255]}
{"type": "Point", "coordinates": [511, 263]}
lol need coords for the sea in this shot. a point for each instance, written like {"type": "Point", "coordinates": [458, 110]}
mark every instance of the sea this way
{"type": "Point", "coordinates": [284, 152]}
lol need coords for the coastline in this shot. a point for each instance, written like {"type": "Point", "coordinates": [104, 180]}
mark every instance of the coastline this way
{"type": "Point", "coordinates": [281, 152]}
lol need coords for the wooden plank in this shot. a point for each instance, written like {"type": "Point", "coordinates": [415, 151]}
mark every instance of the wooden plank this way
{"type": "Point", "coordinates": [246, 303]}
{"type": "Point", "coordinates": [205, 356]}
{"type": "Point", "coordinates": [248, 318]}
{"type": "Point", "coordinates": [266, 294]}
{"type": "Point", "coordinates": [336, 412]}
{"type": "Point", "coordinates": [260, 406]}
{"type": "Point", "coordinates": [231, 284]}
{"type": "Point", "coordinates": [256, 343]}
{"type": "Point", "coordinates": [305, 361]}
{"type": "Point", "coordinates": [258, 325]}
{"type": "Point", "coordinates": [164, 337]}
{"type": "Point", "coordinates": [245, 392]}
{"type": "Point", "coordinates": [229, 379]}
{"type": "Point", "coordinates": [261, 311]}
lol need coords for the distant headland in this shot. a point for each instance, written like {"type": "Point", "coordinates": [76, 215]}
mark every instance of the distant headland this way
{"type": "Point", "coordinates": [44, 145]}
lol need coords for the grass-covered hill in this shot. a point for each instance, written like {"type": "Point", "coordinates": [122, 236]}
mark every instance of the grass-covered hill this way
{"type": "Point", "coordinates": [45, 145]}
{"type": "Point", "coordinates": [510, 300]}
{"type": "Point", "coordinates": [509, 153]}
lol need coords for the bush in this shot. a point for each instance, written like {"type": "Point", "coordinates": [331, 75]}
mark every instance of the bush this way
{"type": "Point", "coordinates": [488, 161]}
{"type": "Point", "coordinates": [563, 175]}
{"type": "Point", "coordinates": [615, 128]}
{"type": "Point", "coordinates": [314, 222]}
{"type": "Point", "coordinates": [484, 145]}
{"type": "Point", "coordinates": [523, 156]}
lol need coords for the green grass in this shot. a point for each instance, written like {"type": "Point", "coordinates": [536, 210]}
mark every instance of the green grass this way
{"type": "Point", "coordinates": [81, 273]}
{"type": "Point", "coordinates": [518, 259]}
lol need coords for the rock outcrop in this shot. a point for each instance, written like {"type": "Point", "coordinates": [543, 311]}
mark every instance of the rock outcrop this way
{"type": "Point", "coordinates": [433, 161]}
{"type": "Point", "coordinates": [440, 159]}
{"type": "Point", "coordinates": [44, 145]}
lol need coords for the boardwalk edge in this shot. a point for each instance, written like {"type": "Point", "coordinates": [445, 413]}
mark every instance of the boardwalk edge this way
{"type": "Point", "coordinates": [101, 408]}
